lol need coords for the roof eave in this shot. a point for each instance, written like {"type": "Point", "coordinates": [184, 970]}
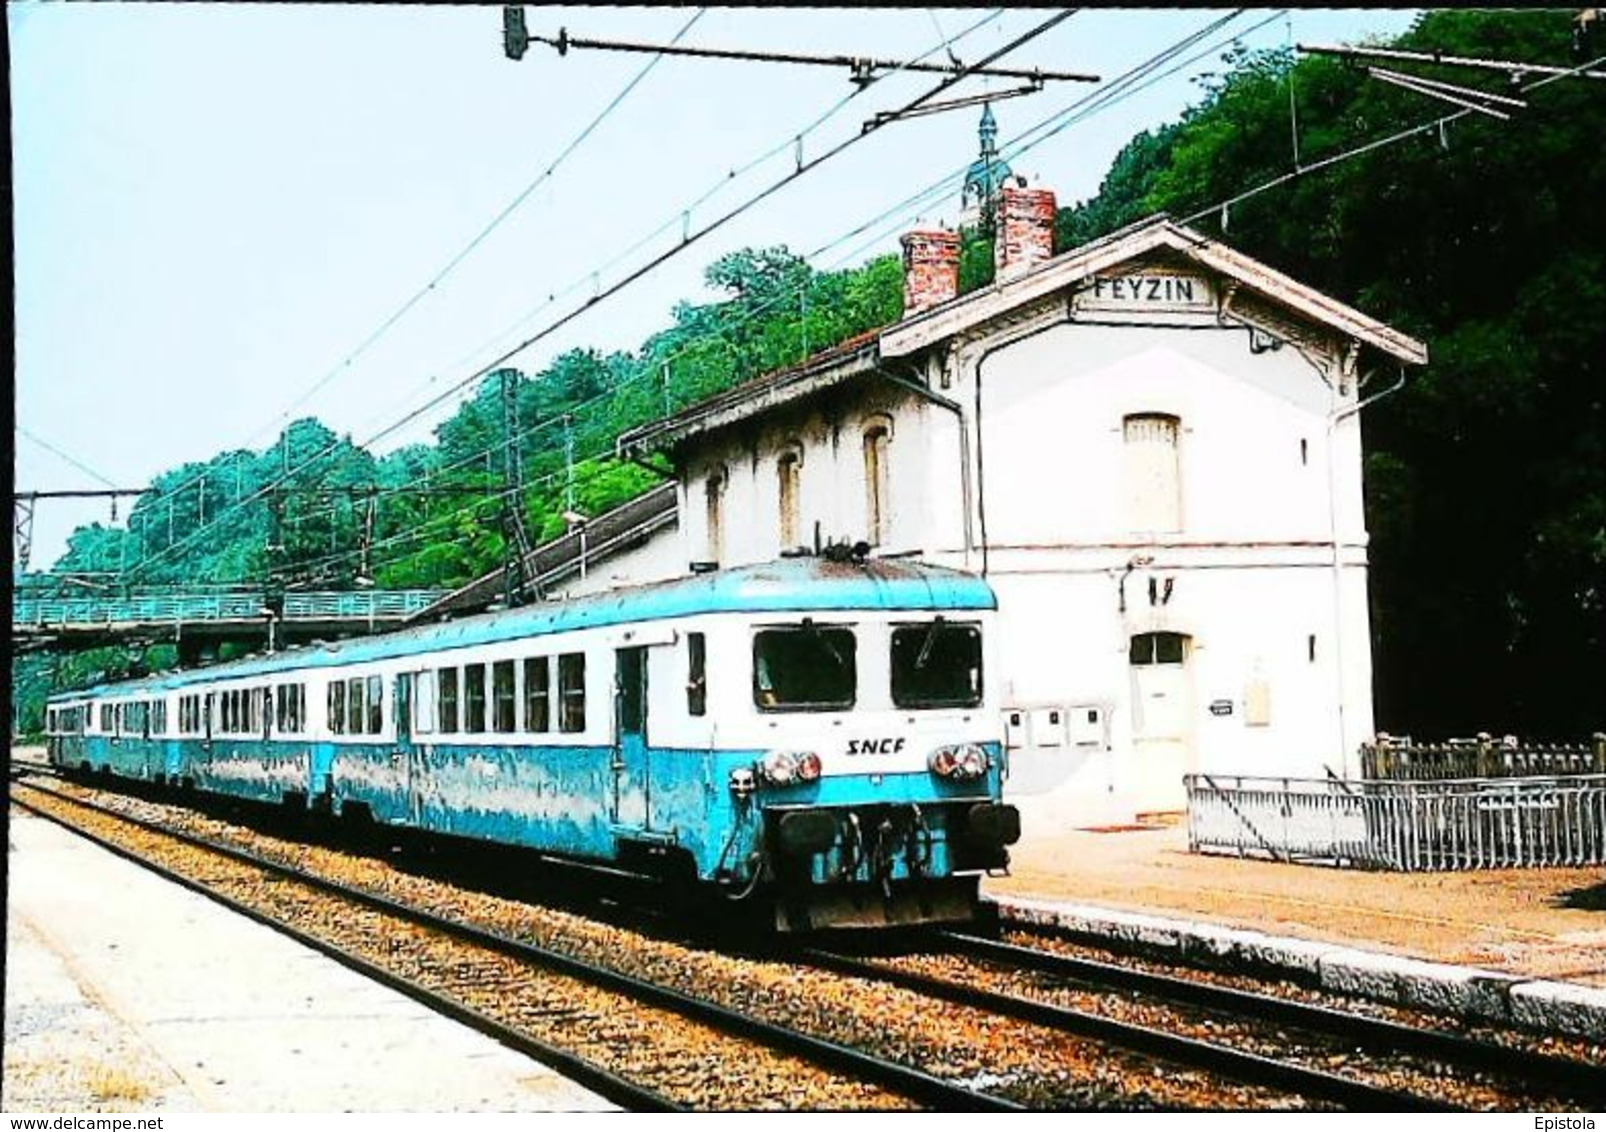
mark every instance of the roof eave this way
{"type": "Point", "coordinates": [953, 318]}
{"type": "Point", "coordinates": [723, 412]}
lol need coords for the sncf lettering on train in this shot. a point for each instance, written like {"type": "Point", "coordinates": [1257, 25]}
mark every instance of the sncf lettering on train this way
{"type": "Point", "coordinates": [875, 746]}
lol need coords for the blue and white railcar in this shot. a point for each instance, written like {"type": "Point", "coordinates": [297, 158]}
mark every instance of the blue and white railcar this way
{"type": "Point", "coordinates": [822, 733]}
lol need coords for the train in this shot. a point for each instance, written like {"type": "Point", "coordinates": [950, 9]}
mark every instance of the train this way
{"type": "Point", "coordinates": [820, 737]}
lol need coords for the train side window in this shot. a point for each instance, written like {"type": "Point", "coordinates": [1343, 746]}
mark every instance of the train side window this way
{"type": "Point", "coordinates": [448, 698]}
{"type": "Point", "coordinates": [504, 696]}
{"type": "Point", "coordinates": [376, 704]}
{"type": "Point", "coordinates": [356, 704]}
{"type": "Point", "coordinates": [299, 707]}
{"type": "Point", "coordinates": [474, 698]}
{"type": "Point", "coordinates": [696, 674]}
{"type": "Point", "coordinates": [572, 692]}
{"type": "Point", "coordinates": [337, 707]}
{"type": "Point", "coordinates": [537, 694]}
{"type": "Point", "coordinates": [423, 703]}
{"type": "Point", "coordinates": [804, 668]}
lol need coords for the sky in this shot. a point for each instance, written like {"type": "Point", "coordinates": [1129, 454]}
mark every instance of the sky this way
{"type": "Point", "coordinates": [217, 206]}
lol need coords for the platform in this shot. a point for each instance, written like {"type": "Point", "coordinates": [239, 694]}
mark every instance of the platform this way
{"type": "Point", "coordinates": [126, 993]}
{"type": "Point", "coordinates": [1526, 945]}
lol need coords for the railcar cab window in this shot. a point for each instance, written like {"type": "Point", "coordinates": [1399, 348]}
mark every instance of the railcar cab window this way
{"type": "Point", "coordinates": [936, 665]}
{"type": "Point", "coordinates": [804, 668]}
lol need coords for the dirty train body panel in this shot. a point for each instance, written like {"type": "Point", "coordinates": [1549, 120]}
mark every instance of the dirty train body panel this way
{"type": "Point", "coordinates": [821, 733]}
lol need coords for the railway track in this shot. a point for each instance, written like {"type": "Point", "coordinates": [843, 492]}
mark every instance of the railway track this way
{"type": "Point", "coordinates": [464, 961]}
{"type": "Point", "coordinates": [1578, 1080]}
{"type": "Point", "coordinates": [1252, 1036]}
{"type": "Point", "coordinates": [1031, 1043]}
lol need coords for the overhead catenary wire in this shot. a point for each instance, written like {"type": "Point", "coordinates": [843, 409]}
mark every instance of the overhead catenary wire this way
{"type": "Point", "coordinates": [682, 214]}
{"type": "Point", "coordinates": [1355, 151]}
{"type": "Point", "coordinates": [1433, 125]}
{"type": "Point", "coordinates": [1124, 86]}
{"type": "Point", "coordinates": [692, 238]}
{"type": "Point", "coordinates": [614, 390]}
{"type": "Point", "coordinates": [75, 462]}
{"type": "Point", "coordinates": [440, 276]}
{"type": "Point", "coordinates": [802, 170]}
{"type": "Point", "coordinates": [719, 185]}
{"type": "Point", "coordinates": [1133, 81]}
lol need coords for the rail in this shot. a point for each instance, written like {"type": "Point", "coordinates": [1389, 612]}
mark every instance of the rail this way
{"type": "Point", "coordinates": [1422, 826]}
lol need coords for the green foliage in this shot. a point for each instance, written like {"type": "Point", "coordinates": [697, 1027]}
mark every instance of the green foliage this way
{"type": "Point", "coordinates": [1485, 475]}
{"type": "Point", "coordinates": [312, 510]}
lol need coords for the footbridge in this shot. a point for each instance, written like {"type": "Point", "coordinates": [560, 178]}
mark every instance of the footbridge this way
{"type": "Point", "coordinates": [198, 621]}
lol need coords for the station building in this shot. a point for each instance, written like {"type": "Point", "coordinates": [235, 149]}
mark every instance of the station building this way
{"type": "Point", "coordinates": [1151, 448]}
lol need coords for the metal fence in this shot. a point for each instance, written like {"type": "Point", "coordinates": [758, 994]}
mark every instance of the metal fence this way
{"type": "Point", "coordinates": [139, 610]}
{"type": "Point", "coordinates": [226, 606]}
{"type": "Point", "coordinates": [1416, 826]}
{"type": "Point", "coordinates": [360, 603]}
{"type": "Point", "coordinates": [1400, 760]}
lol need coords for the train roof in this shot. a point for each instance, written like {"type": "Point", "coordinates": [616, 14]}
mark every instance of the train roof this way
{"type": "Point", "coordinates": [788, 585]}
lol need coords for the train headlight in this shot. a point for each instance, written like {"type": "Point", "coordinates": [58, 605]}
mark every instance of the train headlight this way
{"type": "Point", "coordinates": [963, 762]}
{"type": "Point", "coordinates": [782, 768]}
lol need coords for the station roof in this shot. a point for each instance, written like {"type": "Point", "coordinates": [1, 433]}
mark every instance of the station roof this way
{"type": "Point", "coordinates": [1157, 236]}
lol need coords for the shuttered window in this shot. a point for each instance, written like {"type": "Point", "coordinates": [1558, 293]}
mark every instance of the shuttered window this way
{"type": "Point", "coordinates": [877, 486]}
{"type": "Point", "coordinates": [789, 474]}
{"type": "Point", "coordinates": [714, 508]}
{"type": "Point", "coordinates": [1153, 472]}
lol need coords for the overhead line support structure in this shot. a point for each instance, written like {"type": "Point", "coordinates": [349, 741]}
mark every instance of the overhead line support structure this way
{"type": "Point", "coordinates": [862, 69]}
{"type": "Point", "coordinates": [1515, 69]}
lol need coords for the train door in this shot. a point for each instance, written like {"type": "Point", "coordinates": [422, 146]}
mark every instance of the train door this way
{"type": "Point", "coordinates": [407, 751]}
{"type": "Point", "coordinates": [631, 787]}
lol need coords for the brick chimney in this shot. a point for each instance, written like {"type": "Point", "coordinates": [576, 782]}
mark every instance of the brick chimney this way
{"type": "Point", "coordinates": [1025, 230]}
{"type": "Point", "coordinates": [930, 269]}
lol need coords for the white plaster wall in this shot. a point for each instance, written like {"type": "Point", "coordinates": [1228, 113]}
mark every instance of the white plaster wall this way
{"type": "Point", "coordinates": [661, 557]}
{"type": "Point", "coordinates": [832, 491]}
{"type": "Point", "coordinates": [1053, 449]}
{"type": "Point", "coordinates": [1254, 569]}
